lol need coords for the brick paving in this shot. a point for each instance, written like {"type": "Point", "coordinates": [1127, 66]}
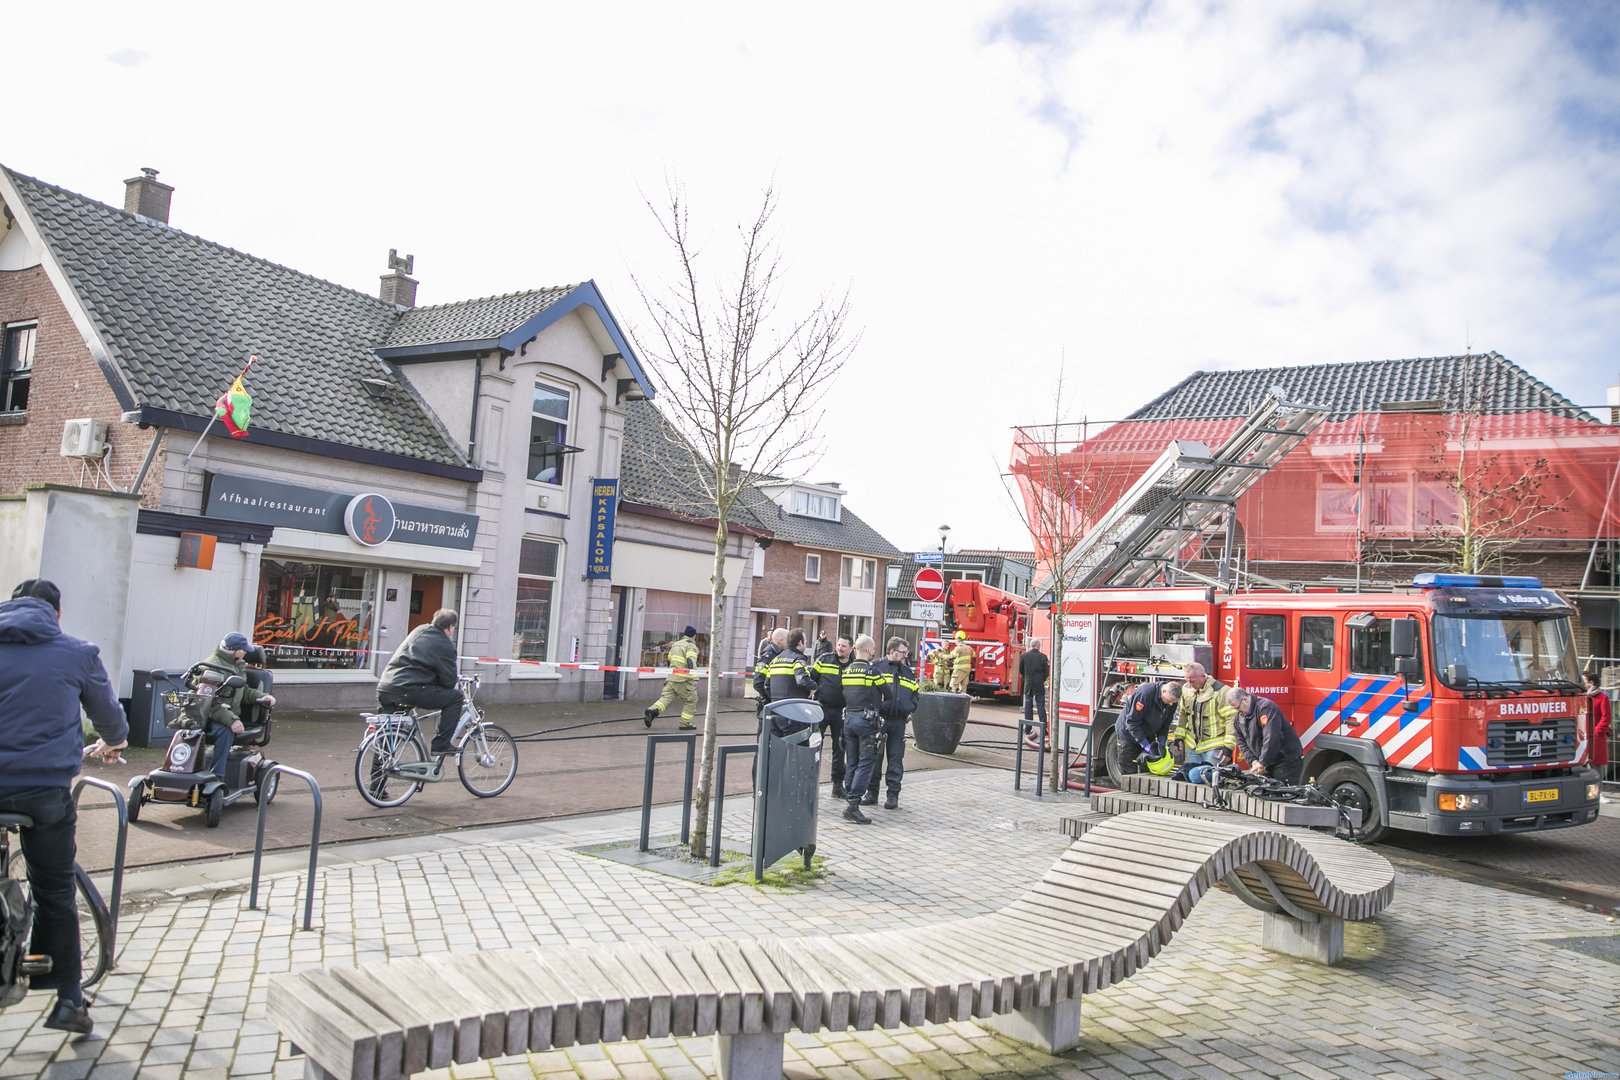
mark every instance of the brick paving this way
{"type": "Point", "coordinates": [1455, 979]}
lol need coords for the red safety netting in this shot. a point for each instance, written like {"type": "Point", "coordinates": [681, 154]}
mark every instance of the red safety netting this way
{"type": "Point", "coordinates": [1367, 477]}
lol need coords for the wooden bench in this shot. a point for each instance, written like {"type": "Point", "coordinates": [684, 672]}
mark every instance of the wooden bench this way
{"type": "Point", "coordinates": [1108, 905]}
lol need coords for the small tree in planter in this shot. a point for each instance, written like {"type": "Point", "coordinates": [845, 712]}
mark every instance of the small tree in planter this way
{"type": "Point", "coordinates": [940, 719]}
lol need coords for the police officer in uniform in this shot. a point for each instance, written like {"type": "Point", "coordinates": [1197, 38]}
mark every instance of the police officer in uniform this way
{"type": "Point", "coordinates": [788, 675]}
{"type": "Point", "coordinates": [903, 685]}
{"type": "Point", "coordinates": [829, 672]}
{"type": "Point", "coordinates": [775, 643]}
{"type": "Point", "coordinates": [865, 693]}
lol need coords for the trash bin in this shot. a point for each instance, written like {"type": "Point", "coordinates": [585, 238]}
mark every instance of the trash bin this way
{"type": "Point", "coordinates": [787, 776]}
{"type": "Point", "coordinates": [146, 726]}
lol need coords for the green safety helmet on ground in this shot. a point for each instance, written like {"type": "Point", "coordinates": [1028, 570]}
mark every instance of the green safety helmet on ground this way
{"type": "Point", "coordinates": [961, 635]}
{"type": "Point", "coordinates": [1162, 766]}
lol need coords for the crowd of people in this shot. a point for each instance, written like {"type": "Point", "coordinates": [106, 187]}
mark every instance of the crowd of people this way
{"type": "Point", "coordinates": [1189, 727]}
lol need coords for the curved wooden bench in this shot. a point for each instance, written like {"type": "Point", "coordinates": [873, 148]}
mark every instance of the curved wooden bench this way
{"type": "Point", "coordinates": [1108, 905]}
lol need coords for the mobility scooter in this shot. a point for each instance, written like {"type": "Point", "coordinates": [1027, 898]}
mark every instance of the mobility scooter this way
{"type": "Point", "coordinates": [187, 777]}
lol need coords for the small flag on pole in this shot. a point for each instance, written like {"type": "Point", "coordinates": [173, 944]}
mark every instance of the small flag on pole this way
{"type": "Point", "coordinates": [234, 408]}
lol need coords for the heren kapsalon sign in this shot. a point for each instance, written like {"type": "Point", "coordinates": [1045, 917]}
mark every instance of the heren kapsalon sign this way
{"type": "Point", "coordinates": [245, 498]}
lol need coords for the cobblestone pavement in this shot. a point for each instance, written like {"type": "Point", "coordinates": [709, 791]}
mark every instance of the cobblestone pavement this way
{"type": "Point", "coordinates": [1455, 979]}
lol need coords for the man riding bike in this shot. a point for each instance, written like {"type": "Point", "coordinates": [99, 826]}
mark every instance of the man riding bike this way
{"type": "Point", "coordinates": [422, 672]}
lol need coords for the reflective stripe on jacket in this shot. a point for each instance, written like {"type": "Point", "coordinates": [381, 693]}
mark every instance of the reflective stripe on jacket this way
{"type": "Point", "coordinates": [1204, 719]}
{"type": "Point", "coordinates": [829, 672]}
{"type": "Point", "coordinates": [683, 654]}
{"type": "Point", "coordinates": [864, 687]}
{"type": "Point", "coordinates": [789, 676]}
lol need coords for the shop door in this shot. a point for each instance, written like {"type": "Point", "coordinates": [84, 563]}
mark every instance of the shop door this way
{"type": "Point", "coordinates": [427, 596]}
{"type": "Point", "coordinates": [616, 620]}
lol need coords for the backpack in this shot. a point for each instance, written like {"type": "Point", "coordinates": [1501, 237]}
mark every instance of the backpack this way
{"type": "Point", "coordinates": [16, 921]}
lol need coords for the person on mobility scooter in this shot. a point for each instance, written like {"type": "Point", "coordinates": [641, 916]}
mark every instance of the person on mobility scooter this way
{"type": "Point", "coordinates": [228, 706]}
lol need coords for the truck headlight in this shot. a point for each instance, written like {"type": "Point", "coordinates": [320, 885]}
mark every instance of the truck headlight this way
{"type": "Point", "coordinates": [1593, 791]}
{"type": "Point", "coordinates": [1461, 802]}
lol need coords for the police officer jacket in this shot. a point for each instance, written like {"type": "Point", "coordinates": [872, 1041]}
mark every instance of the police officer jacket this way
{"type": "Point", "coordinates": [865, 688]}
{"type": "Point", "coordinates": [1145, 717]}
{"type": "Point", "coordinates": [762, 676]}
{"type": "Point", "coordinates": [829, 672]}
{"type": "Point", "coordinates": [789, 675]}
{"type": "Point", "coordinates": [902, 684]}
{"type": "Point", "coordinates": [1265, 737]}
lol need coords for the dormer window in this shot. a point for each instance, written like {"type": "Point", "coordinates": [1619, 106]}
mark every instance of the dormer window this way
{"type": "Point", "coordinates": [816, 505]}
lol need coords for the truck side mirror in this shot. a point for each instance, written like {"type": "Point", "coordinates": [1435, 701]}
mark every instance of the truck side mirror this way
{"type": "Point", "coordinates": [1403, 637]}
{"type": "Point", "coordinates": [1407, 668]}
{"type": "Point", "coordinates": [1457, 675]}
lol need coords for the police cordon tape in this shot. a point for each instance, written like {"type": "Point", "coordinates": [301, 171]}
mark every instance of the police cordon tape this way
{"type": "Point", "coordinates": [493, 660]}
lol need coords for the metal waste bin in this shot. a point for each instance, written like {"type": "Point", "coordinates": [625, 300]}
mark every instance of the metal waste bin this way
{"type": "Point", "coordinates": [787, 774]}
{"type": "Point", "coordinates": [146, 726]}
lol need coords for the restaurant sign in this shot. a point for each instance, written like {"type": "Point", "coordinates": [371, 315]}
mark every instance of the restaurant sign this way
{"type": "Point", "coordinates": [366, 517]}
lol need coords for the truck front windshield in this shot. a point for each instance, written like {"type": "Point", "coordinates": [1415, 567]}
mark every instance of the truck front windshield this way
{"type": "Point", "coordinates": [1500, 650]}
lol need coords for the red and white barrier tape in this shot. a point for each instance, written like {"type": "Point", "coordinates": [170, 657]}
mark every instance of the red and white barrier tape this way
{"type": "Point", "coordinates": [491, 660]}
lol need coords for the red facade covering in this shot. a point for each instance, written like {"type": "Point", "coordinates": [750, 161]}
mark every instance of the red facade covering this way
{"type": "Point", "coordinates": [1376, 476]}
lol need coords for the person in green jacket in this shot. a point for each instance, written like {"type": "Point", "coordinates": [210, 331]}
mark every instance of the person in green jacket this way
{"type": "Point", "coordinates": [225, 714]}
{"type": "Point", "coordinates": [679, 686]}
{"type": "Point", "coordinates": [1203, 726]}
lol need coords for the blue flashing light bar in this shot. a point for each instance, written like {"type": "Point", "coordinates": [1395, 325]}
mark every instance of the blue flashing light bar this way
{"type": "Point", "coordinates": [1473, 581]}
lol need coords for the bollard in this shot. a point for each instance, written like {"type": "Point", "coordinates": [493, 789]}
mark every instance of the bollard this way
{"type": "Point", "coordinates": [1040, 758]}
{"type": "Point", "coordinates": [314, 843]}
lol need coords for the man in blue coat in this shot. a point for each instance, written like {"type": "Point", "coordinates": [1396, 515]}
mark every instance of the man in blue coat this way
{"type": "Point", "coordinates": [45, 677]}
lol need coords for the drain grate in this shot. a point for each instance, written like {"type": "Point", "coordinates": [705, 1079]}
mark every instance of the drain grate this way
{"type": "Point", "coordinates": [400, 824]}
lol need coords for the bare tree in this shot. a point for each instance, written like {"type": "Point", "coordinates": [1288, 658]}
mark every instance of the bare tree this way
{"type": "Point", "coordinates": [1061, 493]}
{"type": "Point", "coordinates": [743, 384]}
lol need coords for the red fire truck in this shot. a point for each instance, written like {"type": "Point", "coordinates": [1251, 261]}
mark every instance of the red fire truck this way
{"type": "Point", "coordinates": [1455, 708]}
{"type": "Point", "coordinates": [997, 626]}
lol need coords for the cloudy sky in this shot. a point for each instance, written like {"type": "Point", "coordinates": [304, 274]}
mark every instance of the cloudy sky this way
{"type": "Point", "coordinates": [1129, 191]}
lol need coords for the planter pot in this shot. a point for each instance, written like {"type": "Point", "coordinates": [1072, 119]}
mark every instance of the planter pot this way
{"type": "Point", "coordinates": [939, 721]}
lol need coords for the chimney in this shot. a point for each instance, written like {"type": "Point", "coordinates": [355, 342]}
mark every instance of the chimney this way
{"type": "Point", "coordinates": [398, 287]}
{"type": "Point", "coordinates": [143, 195]}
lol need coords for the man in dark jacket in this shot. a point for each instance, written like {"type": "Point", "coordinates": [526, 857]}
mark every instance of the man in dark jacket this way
{"type": "Point", "coordinates": [1265, 738]}
{"type": "Point", "coordinates": [788, 675]}
{"type": "Point", "coordinates": [46, 676]}
{"type": "Point", "coordinates": [829, 672]}
{"type": "Point", "coordinates": [866, 693]}
{"type": "Point", "coordinates": [225, 716]}
{"type": "Point", "coordinates": [1033, 671]}
{"type": "Point", "coordinates": [903, 688]}
{"type": "Point", "coordinates": [422, 673]}
{"type": "Point", "coordinates": [1145, 719]}
{"type": "Point", "coordinates": [773, 644]}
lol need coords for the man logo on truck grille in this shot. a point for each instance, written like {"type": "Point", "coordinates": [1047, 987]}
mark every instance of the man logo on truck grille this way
{"type": "Point", "coordinates": [1536, 735]}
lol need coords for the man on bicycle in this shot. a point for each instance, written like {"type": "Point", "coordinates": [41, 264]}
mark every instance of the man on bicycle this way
{"type": "Point", "coordinates": [45, 677]}
{"type": "Point", "coordinates": [422, 672]}
{"type": "Point", "coordinates": [1265, 738]}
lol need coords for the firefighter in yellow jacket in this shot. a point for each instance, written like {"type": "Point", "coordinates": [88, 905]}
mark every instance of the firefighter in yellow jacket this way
{"type": "Point", "coordinates": [961, 664]}
{"type": "Point", "coordinates": [1203, 726]}
{"type": "Point", "coordinates": [680, 687]}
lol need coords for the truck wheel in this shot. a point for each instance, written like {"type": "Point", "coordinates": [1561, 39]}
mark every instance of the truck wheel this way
{"type": "Point", "coordinates": [1348, 783]}
{"type": "Point", "coordinates": [1114, 766]}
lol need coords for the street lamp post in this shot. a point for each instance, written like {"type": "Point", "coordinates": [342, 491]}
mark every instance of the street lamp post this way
{"type": "Point", "coordinates": [943, 529]}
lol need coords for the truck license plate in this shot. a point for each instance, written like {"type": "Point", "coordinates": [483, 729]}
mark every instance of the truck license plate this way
{"type": "Point", "coordinates": [1548, 794]}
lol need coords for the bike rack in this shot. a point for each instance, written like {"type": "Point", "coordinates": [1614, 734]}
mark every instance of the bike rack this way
{"type": "Point", "coordinates": [314, 843]}
{"type": "Point", "coordinates": [117, 892]}
{"type": "Point", "coordinates": [722, 753]}
{"type": "Point", "coordinates": [1040, 757]}
{"type": "Point", "coordinates": [653, 742]}
{"type": "Point", "coordinates": [1068, 727]}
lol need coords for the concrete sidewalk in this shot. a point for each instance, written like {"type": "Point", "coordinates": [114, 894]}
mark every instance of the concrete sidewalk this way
{"type": "Point", "coordinates": [1455, 979]}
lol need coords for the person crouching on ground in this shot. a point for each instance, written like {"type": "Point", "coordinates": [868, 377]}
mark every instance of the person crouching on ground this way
{"type": "Point", "coordinates": [1144, 721]}
{"type": "Point", "coordinates": [680, 686]}
{"type": "Point", "coordinates": [1265, 738]}
{"type": "Point", "coordinates": [422, 672]}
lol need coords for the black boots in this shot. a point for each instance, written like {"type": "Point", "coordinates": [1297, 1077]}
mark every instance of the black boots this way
{"type": "Point", "coordinates": [66, 1016]}
{"type": "Point", "coordinates": [892, 802]}
{"type": "Point", "coordinates": [838, 790]}
{"type": "Point", "coordinates": [869, 799]}
{"type": "Point", "coordinates": [852, 812]}
{"type": "Point", "coordinates": [648, 716]}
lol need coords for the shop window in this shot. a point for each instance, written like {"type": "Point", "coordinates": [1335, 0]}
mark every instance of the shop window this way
{"type": "Point", "coordinates": [1316, 642]}
{"type": "Point", "coordinates": [315, 615]}
{"type": "Point", "coordinates": [548, 434]}
{"type": "Point", "coordinates": [812, 568]}
{"type": "Point", "coordinates": [1266, 642]}
{"type": "Point", "coordinates": [17, 367]}
{"type": "Point", "coordinates": [859, 573]}
{"type": "Point", "coordinates": [538, 561]}
{"type": "Point", "coordinates": [666, 614]}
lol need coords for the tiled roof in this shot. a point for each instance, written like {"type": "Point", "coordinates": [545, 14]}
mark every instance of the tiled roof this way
{"type": "Point", "coordinates": [659, 468]}
{"type": "Point", "coordinates": [471, 320]}
{"type": "Point", "coordinates": [851, 534]}
{"type": "Point", "coordinates": [1347, 389]}
{"type": "Point", "coordinates": [181, 315]}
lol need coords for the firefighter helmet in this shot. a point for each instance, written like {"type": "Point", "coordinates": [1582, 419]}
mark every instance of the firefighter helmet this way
{"type": "Point", "coordinates": [1163, 765]}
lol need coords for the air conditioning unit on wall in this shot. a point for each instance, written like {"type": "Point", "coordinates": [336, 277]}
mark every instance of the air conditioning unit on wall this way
{"type": "Point", "coordinates": [84, 438]}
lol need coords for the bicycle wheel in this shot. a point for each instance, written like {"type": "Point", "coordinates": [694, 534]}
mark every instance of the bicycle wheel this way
{"type": "Point", "coordinates": [96, 941]}
{"type": "Point", "coordinates": [488, 761]}
{"type": "Point", "coordinates": [96, 934]}
{"type": "Point", "coordinates": [377, 761]}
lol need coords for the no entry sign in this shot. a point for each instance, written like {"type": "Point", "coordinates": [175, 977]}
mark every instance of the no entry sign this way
{"type": "Point", "coordinates": [929, 584]}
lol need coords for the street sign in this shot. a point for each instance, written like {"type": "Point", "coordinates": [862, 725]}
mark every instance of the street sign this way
{"type": "Point", "coordinates": [929, 584]}
{"type": "Point", "coordinates": [928, 557]}
{"type": "Point", "coordinates": [923, 611]}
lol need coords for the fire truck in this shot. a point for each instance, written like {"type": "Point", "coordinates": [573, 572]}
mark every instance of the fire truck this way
{"type": "Point", "coordinates": [1454, 708]}
{"type": "Point", "coordinates": [997, 627]}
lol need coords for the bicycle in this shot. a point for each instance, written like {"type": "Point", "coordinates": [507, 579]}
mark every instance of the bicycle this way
{"type": "Point", "coordinates": [392, 762]}
{"type": "Point", "coordinates": [96, 932]}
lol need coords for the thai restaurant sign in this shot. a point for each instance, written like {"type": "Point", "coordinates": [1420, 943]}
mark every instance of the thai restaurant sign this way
{"type": "Point", "coordinates": [367, 517]}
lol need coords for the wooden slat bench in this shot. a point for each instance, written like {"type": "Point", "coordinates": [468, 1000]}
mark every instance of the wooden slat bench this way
{"type": "Point", "coordinates": [1108, 905]}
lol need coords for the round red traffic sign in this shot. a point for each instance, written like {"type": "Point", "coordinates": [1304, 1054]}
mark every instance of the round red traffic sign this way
{"type": "Point", "coordinates": [929, 585]}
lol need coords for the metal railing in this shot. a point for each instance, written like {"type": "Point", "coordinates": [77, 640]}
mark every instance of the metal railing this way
{"type": "Point", "coordinates": [653, 742]}
{"type": "Point", "coordinates": [1024, 727]}
{"type": "Point", "coordinates": [1068, 730]}
{"type": "Point", "coordinates": [116, 893]}
{"type": "Point", "coordinates": [721, 755]}
{"type": "Point", "coordinates": [314, 840]}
